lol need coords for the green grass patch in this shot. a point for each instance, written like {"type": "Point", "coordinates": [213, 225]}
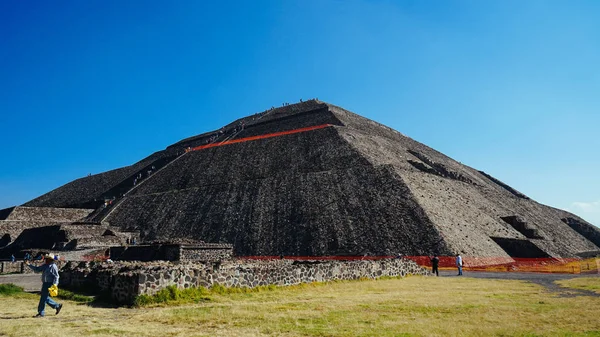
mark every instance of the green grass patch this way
{"type": "Point", "coordinates": [14, 291]}
{"type": "Point", "coordinates": [10, 289]}
{"type": "Point", "coordinates": [173, 296]}
{"type": "Point", "coordinates": [585, 283]}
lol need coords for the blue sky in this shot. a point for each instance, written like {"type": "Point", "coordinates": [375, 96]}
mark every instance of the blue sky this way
{"type": "Point", "coordinates": [508, 87]}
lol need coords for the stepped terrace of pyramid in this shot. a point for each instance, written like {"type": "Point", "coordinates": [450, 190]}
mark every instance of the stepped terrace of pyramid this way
{"type": "Point", "coordinates": [312, 179]}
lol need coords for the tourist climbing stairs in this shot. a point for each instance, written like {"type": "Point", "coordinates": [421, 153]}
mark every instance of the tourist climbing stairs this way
{"type": "Point", "coordinates": [113, 196]}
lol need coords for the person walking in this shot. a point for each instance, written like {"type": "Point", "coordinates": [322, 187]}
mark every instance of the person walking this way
{"type": "Point", "coordinates": [50, 277]}
{"type": "Point", "coordinates": [435, 262]}
{"type": "Point", "coordinates": [459, 264]}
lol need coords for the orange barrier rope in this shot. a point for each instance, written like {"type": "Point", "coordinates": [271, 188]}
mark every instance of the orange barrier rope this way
{"type": "Point", "coordinates": [490, 264]}
{"type": "Point", "coordinates": [268, 135]}
{"type": "Point", "coordinates": [317, 258]}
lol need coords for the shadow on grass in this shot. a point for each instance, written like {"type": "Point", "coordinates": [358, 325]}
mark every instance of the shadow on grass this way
{"type": "Point", "coordinates": [16, 317]}
{"type": "Point", "coordinates": [87, 297]}
{"type": "Point", "coordinates": [81, 297]}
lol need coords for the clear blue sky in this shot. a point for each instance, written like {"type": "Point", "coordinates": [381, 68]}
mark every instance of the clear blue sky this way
{"type": "Point", "coordinates": [508, 87]}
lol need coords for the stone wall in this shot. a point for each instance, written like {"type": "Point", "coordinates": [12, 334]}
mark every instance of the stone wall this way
{"type": "Point", "coordinates": [125, 281]}
{"type": "Point", "coordinates": [207, 252]}
{"type": "Point", "coordinates": [11, 267]}
{"type": "Point", "coordinates": [145, 253]}
{"type": "Point", "coordinates": [100, 241]}
{"type": "Point", "coordinates": [14, 267]}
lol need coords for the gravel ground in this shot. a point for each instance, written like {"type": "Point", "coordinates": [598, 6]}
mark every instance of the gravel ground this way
{"type": "Point", "coordinates": [29, 282]}
{"type": "Point", "coordinates": [543, 279]}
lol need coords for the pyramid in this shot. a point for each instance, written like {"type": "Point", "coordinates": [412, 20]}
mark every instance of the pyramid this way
{"type": "Point", "coordinates": [313, 179]}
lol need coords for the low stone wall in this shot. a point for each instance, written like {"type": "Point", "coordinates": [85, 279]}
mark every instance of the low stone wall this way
{"type": "Point", "coordinates": [99, 241]}
{"type": "Point", "coordinates": [125, 281]}
{"type": "Point", "coordinates": [11, 267]}
{"type": "Point", "coordinates": [207, 252]}
{"type": "Point", "coordinates": [80, 231]}
{"type": "Point", "coordinates": [145, 253]}
{"type": "Point", "coordinates": [14, 267]}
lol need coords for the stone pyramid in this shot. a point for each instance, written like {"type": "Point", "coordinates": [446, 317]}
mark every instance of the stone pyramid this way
{"type": "Point", "coordinates": [312, 179]}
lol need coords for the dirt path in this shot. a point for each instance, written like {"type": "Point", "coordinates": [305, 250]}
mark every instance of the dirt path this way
{"type": "Point", "coordinates": [544, 279]}
{"type": "Point", "coordinates": [29, 282]}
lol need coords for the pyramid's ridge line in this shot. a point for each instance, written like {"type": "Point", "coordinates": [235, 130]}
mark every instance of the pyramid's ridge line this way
{"type": "Point", "coordinates": [356, 123]}
{"type": "Point", "coordinates": [268, 115]}
{"type": "Point", "coordinates": [336, 109]}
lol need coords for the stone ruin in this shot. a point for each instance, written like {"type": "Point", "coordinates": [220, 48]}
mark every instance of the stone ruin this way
{"type": "Point", "coordinates": [49, 229]}
{"type": "Point", "coordinates": [124, 281]}
{"type": "Point", "coordinates": [308, 179]}
{"type": "Point", "coordinates": [175, 252]}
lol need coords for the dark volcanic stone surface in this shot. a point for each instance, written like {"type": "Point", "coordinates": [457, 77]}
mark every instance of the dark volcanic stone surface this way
{"type": "Point", "coordinates": [88, 192]}
{"type": "Point", "coordinates": [322, 213]}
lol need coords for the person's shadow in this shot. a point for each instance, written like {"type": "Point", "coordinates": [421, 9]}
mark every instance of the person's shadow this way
{"type": "Point", "coordinates": [16, 317]}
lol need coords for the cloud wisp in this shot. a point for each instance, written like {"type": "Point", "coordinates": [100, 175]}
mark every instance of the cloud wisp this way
{"type": "Point", "coordinates": [588, 210]}
{"type": "Point", "coordinates": [588, 207]}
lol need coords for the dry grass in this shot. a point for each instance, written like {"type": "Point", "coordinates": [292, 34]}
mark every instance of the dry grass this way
{"type": "Point", "coordinates": [394, 307]}
{"type": "Point", "coordinates": [586, 283]}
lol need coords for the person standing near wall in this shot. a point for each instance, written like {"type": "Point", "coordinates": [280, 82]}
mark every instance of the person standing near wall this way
{"type": "Point", "coordinates": [50, 277]}
{"type": "Point", "coordinates": [459, 264]}
{"type": "Point", "coordinates": [435, 262]}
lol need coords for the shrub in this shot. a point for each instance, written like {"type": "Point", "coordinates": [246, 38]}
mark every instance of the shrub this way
{"type": "Point", "coordinates": [218, 289]}
{"type": "Point", "coordinates": [143, 300]}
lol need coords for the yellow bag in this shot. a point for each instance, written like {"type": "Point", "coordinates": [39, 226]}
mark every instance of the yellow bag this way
{"type": "Point", "coordinates": [53, 291]}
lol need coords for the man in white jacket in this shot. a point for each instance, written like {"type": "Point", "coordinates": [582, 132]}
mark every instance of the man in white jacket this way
{"type": "Point", "coordinates": [459, 264]}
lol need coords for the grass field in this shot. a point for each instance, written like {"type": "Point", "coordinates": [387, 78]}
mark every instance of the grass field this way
{"type": "Point", "coordinates": [421, 306]}
{"type": "Point", "coordinates": [585, 283]}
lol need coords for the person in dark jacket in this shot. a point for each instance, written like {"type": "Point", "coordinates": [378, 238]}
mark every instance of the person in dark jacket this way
{"type": "Point", "coordinates": [435, 262]}
{"type": "Point", "coordinates": [50, 277]}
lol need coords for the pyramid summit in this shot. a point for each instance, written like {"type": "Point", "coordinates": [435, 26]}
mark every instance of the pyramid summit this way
{"type": "Point", "coordinates": [313, 179]}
